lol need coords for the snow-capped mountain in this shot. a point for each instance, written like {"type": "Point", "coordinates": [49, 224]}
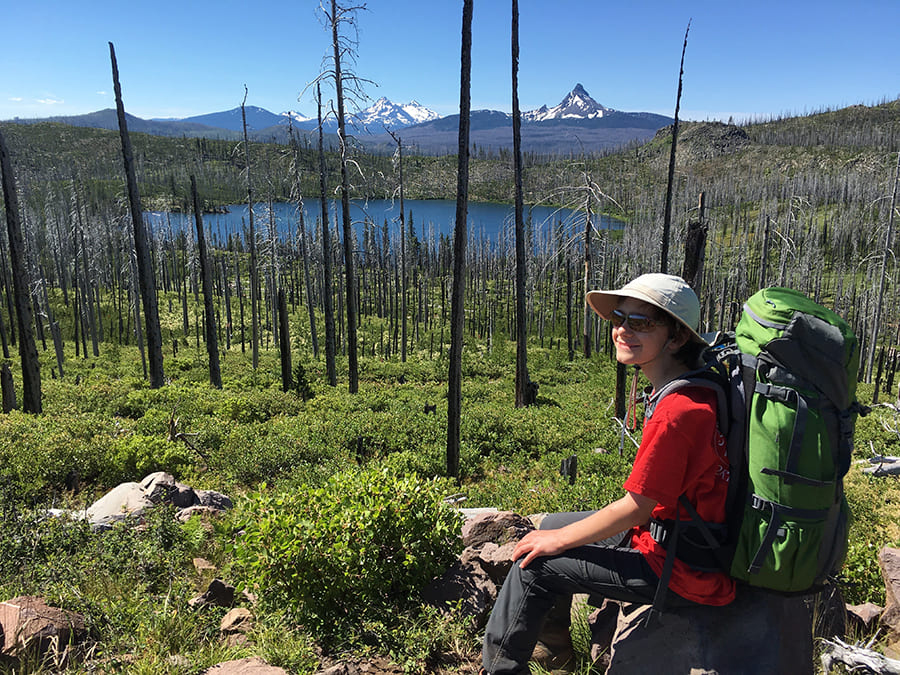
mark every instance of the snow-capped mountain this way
{"type": "Point", "coordinates": [297, 118]}
{"type": "Point", "coordinates": [384, 113]}
{"type": "Point", "coordinates": [578, 124]}
{"type": "Point", "coordinates": [577, 105]}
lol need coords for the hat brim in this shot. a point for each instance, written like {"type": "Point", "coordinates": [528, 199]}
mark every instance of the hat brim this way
{"type": "Point", "coordinates": [604, 302]}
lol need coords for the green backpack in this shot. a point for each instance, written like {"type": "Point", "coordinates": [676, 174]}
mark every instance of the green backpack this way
{"type": "Point", "coordinates": [786, 382]}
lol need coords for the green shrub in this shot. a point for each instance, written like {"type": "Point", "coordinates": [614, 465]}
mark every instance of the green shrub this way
{"type": "Point", "coordinates": [263, 451]}
{"type": "Point", "coordinates": [361, 547]}
{"type": "Point", "coordinates": [133, 456]}
{"type": "Point", "coordinates": [258, 406]}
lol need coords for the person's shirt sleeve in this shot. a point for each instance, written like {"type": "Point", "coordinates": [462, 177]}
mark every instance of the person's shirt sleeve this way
{"type": "Point", "coordinates": [661, 466]}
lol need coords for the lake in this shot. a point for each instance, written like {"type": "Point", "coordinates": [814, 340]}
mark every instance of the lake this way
{"type": "Point", "coordinates": [485, 220]}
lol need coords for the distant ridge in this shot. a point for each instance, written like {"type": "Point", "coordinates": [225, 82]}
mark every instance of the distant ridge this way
{"type": "Point", "coordinates": [578, 124]}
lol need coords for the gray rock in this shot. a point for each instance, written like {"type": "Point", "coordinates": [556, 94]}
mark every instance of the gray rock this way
{"type": "Point", "coordinates": [159, 487]}
{"type": "Point", "coordinates": [237, 620]}
{"type": "Point", "coordinates": [500, 527]}
{"type": "Point", "coordinates": [252, 665]}
{"type": "Point", "coordinates": [126, 499]}
{"type": "Point", "coordinates": [214, 499]}
{"type": "Point", "coordinates": [760, 632]}
{"type": "Point", "coordinates": [218, 593]}
{"type": "Point", "coordinates": [603, 622]}
{"type": "Point", "coordinates": [184, 515]}
{"type": "Point", "coordinates": [864, 618]}
{"type": "Point", "coordinates": [495, 560]}
{"type": "Point", "coordinates": [889, 560]}
{"type": "Point", "coordinates": [466, 585]}
{"type": "Point", "coordinates": [30, 627]}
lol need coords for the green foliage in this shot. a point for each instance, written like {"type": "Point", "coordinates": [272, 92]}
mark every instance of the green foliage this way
{"type": "Point", "coordinates": [133, 456]}
{"type": "Point", "coordinates": [262, 451]}
{"type": "Point", "coordinates": [42, 456]}
{"type": "Point", "coordinates": [302, 387]}
{"type": "Point", "coordinates": [359, 548]}
{"type": "Point", "coordinates": [257, 406]}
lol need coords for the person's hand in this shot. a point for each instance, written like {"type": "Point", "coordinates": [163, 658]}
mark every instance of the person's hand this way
{"type": "Point", "coordinates": [538, 543]}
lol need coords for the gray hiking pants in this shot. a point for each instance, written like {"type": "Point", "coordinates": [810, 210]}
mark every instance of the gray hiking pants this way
{"type": "Point", "coordinates": [606, 569]}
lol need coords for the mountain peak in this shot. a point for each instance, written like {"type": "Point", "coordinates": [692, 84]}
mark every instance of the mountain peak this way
{"type": "Point", "coordinates": [577, 104]}
{"type": "Point", "coordinates": [386, 113]}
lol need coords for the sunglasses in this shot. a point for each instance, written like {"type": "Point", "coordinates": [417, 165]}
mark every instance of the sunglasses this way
{"type": "Point", "coordinates": [640, 323]}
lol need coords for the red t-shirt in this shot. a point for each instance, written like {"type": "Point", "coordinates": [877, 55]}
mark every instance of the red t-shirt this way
{"type": "Point", "coordinates": [682, 452]}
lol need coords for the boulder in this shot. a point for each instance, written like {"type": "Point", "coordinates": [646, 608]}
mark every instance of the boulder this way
{"type": "Point", "coordinates": [499, 527]}
{"type": "Point", "coordinates": [160, 488]}
{"type": "Point", "coordinates": [124, 500]}
{"type": "Point", "coordinates": [218, 593]}
{"type": "Point", "coordinates": [864, 618]}
{"type": "Point", "coordinates": [205, 512]}
{"type": "Point", "coordinates": [493, 559]}
{"type": "Point", "coordinates": [213, 499]}
{"type": "Point", "coordinates": [467, 586]}
{"type": "Point", "coordinates": [32, 627]}
{"type": "Point", "coordinates": [133, 499]}
{"type": "Point", "coordinates": [603, 622]}
{"type": "Point", "coordinates": [203, 565]}
{"type": "Point", "coordinates": [770, 631]}
{"type": "Point", "coordinates": [889, 560]}
{"type": "Point", "coordinates": [237, 620]}
{"type": "Point", "coordinates": [252, 665]}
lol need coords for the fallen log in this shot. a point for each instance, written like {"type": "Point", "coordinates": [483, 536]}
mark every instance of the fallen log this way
{"type": "Point", "coordinates": [855, 657]}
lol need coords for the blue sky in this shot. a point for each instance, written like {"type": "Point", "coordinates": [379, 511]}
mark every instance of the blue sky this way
{"type": "Point", "coordinates": [190, 57]}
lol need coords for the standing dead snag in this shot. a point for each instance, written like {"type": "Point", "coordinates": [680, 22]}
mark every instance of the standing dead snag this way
{"type": "Point", "coordinates": [457, 308]}
{"type": "Point", "coordinates": [327, 283]}
{"type": "Point", "coordinates": [212, 341]}
{"type": "Point", "coordinates": [695, 248]}
{"type": "Point", "coordinates": [403, 288]}
{"type": "Point", "coordinates": [344, 14]}
{"type": "Point", "coordinates": [876, 324]}
{"type": "Point", "coordinates": [525, 389]}
{"type": "Point", "coordinates": [146, 278]}
{"type": "Point", "coordinates": [667, 217]}
{"type": "Point", "coordinates": [31, 369]}
{"type": "Point", "coordinates": [254, 272]}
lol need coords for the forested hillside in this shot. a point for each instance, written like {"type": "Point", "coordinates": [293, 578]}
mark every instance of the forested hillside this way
{"type": "Point", "coordinates": [255, 327]}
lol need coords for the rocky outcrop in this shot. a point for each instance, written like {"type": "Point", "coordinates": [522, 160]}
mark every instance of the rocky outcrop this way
{"type": "Point", "coordinates": [131, 500]}
{"type": "Point", "coordinates": [44, 634]}
{"type": "Point", "coordinates": [772, 632]}
{"type": "Point", "coordinates": [250, 666]}
{"type": "Point", "coordinates": [769, 631]}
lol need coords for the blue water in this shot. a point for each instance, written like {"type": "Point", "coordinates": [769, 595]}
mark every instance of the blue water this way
{"type": "Point", "coordinates": [487, 221]}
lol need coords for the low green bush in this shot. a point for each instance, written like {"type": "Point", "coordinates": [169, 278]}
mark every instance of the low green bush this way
{"type": "Point", "coordinates": [133, 456]}
{"type": "Point", "coordinates": [362, 546]}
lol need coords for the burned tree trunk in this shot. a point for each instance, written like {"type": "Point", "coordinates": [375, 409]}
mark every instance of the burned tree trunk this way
{"type": "Point", "coordinates": [457, 308]}
{"type": "Point", "coordinates": [667, 217]}
{"type": "Point", "coordinates": [254, 273]}
{"type": "Point", "coordinates": [141, 244]}
{"type": "Point", "coordinates": [349, 268]}
{"type": "Point", "coordinates": [212, 338]}
{"type": "Point", "coordinates": [284, 343]}
{"type": "Point", "coordinates": [31, 369]}
{"type": "Point", "coordinates": [327, 296]}
{"type": "Point", "coordinates": [695, 249]}
{"type": "Point", "coordinates": [876, 324]}
{"type": "Point", "coordinates": [525, 390]}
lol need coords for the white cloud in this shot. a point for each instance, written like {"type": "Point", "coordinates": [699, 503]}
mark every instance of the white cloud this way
{"type": "Point", "coordinates": [102, 93]}
{"type": "Point", "coordinates": [16, 99]}
{"type": "Point", "coordinates": [49, 101]}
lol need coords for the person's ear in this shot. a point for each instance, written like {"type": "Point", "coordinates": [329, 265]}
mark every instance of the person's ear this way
{"type": "Point", "coordinates": [677, 341]}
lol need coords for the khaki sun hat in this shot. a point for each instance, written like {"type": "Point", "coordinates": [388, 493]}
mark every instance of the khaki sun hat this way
{"type": "Point", "coordinates": [665, 291]}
